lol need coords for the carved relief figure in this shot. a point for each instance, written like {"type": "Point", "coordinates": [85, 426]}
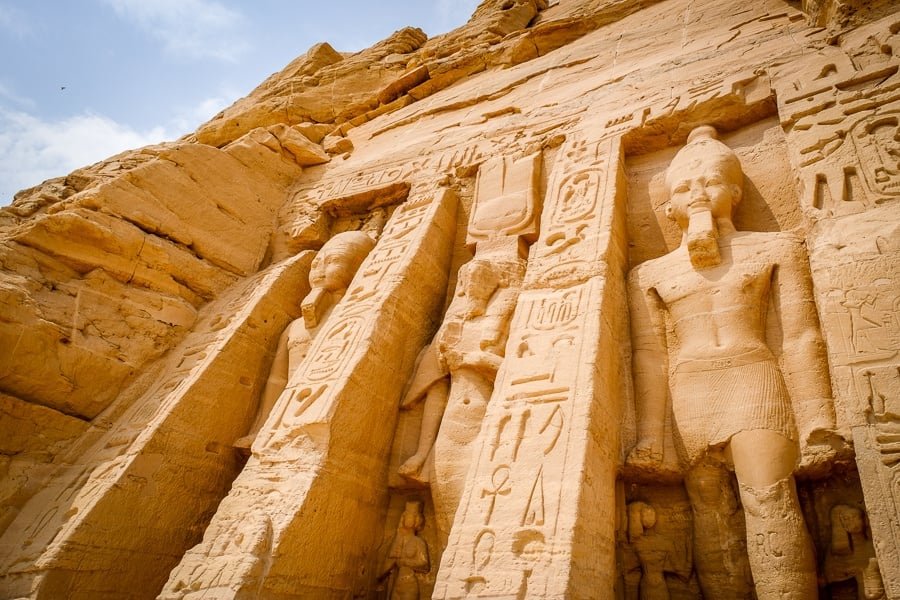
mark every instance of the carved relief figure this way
{"type": "Point", "coordinates": [656, 555]}
{"type": "Point", "coordinates": [330, 274]}
{"type": "Point", "coordinates": [852, 554]}
{"type": "Point", "coordinates": [698, 319]}
{"type": "Point", "coordinates": [877, 142]}
{"type": "Point", "coordinates": [408, 555]}
{"type": "Point", "coordinates": [468, 347]}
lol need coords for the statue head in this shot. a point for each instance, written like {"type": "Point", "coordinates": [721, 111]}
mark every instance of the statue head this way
{"type": "Point", "coordinates": [336, 263]}
{"type": "Point", "coordinates": [705, 183]}
{"type": "Point", "coordinates": [845, 521]}
{"type": "Point", "coordinates": [332, 270]}
{"type": "Point", "coordinates": [477, 281]}
{"type": "Point", "coordinates": [412, 518]}
{"type": "Point", "coordinates": [641, 516]}
{"type": "Point", "coordinates": [704, 175]}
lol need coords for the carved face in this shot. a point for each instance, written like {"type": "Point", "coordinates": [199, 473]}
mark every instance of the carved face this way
{"type": "Point", "coordinates": [852, 521]}
{"type": "Point", "coordinates": [330, 270]}
{"type": "Point", "coordinates": [701, 181]}
{"type": "Point", "coordinates": [412, 517]}
{"type": "Point", "coordinates": [336, 263]}
{"type": "Point", "coordinates": [477, 283]}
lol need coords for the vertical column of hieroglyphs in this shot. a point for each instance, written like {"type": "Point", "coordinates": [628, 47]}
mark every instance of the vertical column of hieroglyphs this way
{"type": "Point", "coordinates": [301, 519]}
{"type": "Point", "coordinates": [116, 521]}
{"type": "Point", "coordinates": [854, 261]}
{"type": "Point", "coordinates": [536, 519]}
{"type": "Point", "coordinates": [842, 113]}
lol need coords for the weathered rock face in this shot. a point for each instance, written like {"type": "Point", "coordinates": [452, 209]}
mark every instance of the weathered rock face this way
{"type": "Point", "coordinates": [585, 299]}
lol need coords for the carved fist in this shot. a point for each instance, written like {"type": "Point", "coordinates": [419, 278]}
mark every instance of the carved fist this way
{"type": "Point", "coordinates": [646, 455]}
{"type": "Point", "coordinates": [820, 448]}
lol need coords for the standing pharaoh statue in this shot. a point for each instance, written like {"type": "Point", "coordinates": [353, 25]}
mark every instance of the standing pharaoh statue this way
{"type": "Point", "coordinates": [698, 318]}
{"type": "Point", "coordinates": [330, 275]}
{"type": "Point", "coordinates": [456, 377]}
{"type": "Point", "coordinates": [456, 372]}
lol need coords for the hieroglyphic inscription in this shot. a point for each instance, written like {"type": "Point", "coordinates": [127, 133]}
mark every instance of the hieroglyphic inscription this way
{"type": "Point", "coordinates": [514, 503]}
{"type": "Point", "coordinates": [842, 123]}
{"type": "Point", "coordinates": [859, 302]}
{"type": "Point", "coordinates": [573, 218]}
{"type": "Point", "coordinates": [745, 88]}
{"type": "Point", "coordinates": [381, 174]}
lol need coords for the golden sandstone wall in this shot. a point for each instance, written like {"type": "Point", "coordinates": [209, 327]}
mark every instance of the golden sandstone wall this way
{"type": "Point", "coordinates": [585, 299]}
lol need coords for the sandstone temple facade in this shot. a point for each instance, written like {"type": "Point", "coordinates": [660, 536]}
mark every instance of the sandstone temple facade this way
{"type": "Point", "coordinates": [584, 299]}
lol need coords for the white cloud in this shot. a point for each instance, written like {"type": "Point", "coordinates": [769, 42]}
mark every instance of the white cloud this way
{"type": "Point", "coordinates": [189, 28]}
{"type": "Point", "coordinates": [33, 150]}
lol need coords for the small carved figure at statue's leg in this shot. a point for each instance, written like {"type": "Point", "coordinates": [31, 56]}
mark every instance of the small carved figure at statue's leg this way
{"type": "Point", "coordinates": [433, 412]}
{"type": "Point", "coordinates": [779, 547]}
{"type": "Point", "coordinates": [720, 557]}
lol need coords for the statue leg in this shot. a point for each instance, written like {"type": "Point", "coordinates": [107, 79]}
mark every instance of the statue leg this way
{"type": "Point", "coordinates": [653, 583]}
{"type": "Point", "coordinates": [432, 414]}
{"type": "Point", "coordinates": [466, 405]}
{"type": "Point", "coordinates": [720, 557]}
{"type": "Point", "coordinates": [779, 547]}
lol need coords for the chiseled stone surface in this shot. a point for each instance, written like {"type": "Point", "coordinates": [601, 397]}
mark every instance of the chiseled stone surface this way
{"type": "Point", "coordinates": [584, 299]}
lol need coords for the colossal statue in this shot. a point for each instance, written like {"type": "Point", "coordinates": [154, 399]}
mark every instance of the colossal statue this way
{"type": "Point", "coordinates": [699, 323]}
{"type": "Point", "coordinates": [468, 347]}
{"type": "Point", "coordinates": [329, 277]}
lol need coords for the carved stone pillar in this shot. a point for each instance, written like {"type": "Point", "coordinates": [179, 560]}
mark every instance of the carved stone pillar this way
{"type": "Point", "coordinates": [303, 517]}
{"type": "Point", "coordinates": [100, 528]}
{"type": "Point", "coordinates": [537, 517]}
{"type": "Point", "coordinates": [855, 269]}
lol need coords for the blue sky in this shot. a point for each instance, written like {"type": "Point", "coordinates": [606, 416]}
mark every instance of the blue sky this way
{"type": "Point", "coordinates": [81, 80]}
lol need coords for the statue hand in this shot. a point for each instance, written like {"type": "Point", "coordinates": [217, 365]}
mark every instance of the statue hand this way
{"type": "Point", "coordinates": [647, 455]}
{"type": "Point", "coordinates": [484, 361]}
{"type": "Point", "coordinates": [820, 448]}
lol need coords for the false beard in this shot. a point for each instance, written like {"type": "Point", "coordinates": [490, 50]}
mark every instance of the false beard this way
{"type": "Point", "coordinates": [702, 240]}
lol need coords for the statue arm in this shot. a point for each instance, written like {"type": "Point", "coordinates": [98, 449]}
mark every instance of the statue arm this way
{"type": "Point", "coordinates": [390, 562]}
{"type": "Point", "coordinates": [495, 332]}
{"type": "Point", "coordinates": [804, 358]}
{"type": "Point", "coordinates": [275, 384]}
{"type": "Point", "coordinates": [429, 371]}
{"type": "Point", "coordinates": [650, 368]}
{"type": "Point", "coordinates": [422, 560]}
